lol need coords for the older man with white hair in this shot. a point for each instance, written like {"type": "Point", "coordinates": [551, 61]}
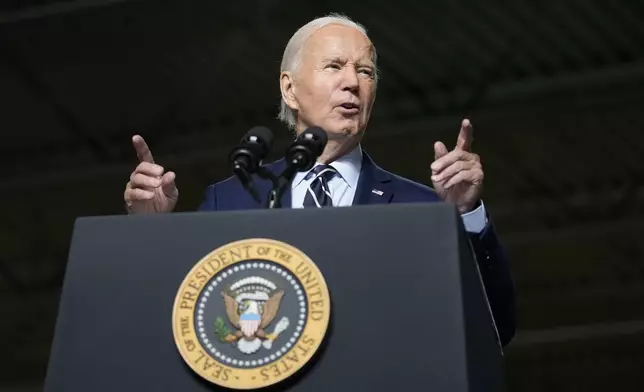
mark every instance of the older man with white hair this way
{"type": "Point", "coordinates": [329, 78]}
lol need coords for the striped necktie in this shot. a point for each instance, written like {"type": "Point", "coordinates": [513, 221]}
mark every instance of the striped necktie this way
{"type": "Point", "coordinates": [318, 194]}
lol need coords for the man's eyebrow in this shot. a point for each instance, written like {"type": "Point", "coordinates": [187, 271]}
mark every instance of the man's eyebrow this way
{"type": "Point", "coordinates": [366, 63]}
{"type": "Point", "coordinates": [338, 59]}
{"type": "Point", "coordinates": [333, 59]}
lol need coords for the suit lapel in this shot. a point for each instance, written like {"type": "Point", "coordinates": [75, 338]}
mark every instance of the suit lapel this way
{"type": "Point", "coordinates": [374, 185]}
{"type": "Point", "coordinates": [286, 197]}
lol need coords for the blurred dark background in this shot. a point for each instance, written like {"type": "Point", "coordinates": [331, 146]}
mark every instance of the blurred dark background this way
{"type": "Point", "coordinates": [555, 91]}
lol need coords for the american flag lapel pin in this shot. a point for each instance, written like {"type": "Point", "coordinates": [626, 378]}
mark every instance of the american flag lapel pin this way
{"type": "Point", "coordinates": [377, 192]}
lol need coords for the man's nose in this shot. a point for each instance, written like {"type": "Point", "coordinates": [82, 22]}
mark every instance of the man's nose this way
{"type": "Point", "coordinates": [350, 79]}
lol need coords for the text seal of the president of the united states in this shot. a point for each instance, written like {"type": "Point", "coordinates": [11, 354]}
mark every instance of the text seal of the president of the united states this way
{"type": "Point", "coordinates": [251, 313]}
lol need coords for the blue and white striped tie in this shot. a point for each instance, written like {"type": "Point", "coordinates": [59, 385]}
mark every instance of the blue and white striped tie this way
{"type": "Point", "coordinates": [319, 194]}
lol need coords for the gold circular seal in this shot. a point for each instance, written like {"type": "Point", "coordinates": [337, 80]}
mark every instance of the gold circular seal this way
{"type": "Point", "coordinates": [251, 313]}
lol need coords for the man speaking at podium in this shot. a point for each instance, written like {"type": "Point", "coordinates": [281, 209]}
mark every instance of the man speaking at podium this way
{"type": "Point", "coordinates": [329, 79]}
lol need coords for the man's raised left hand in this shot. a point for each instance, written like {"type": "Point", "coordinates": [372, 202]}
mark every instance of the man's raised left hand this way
{"type": "Point", "coordinates": [457, 175]}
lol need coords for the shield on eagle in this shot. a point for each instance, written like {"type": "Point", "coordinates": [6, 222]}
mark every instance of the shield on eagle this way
{"type": "Point", "coordinates": [249, 323]}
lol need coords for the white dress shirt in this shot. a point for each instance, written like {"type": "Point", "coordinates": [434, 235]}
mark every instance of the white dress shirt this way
{"type": "Point", "coordinates": [343, 189]}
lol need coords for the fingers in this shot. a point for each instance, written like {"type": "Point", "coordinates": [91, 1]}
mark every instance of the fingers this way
{"type": "Point", "coordinates": [465, 136]}
{"type": "Point", "coordinates": [453, 169]}
{"type": "Point", "coordinates": [143, 181]}
{"type": "Point", "coordinates": [472, 176]}
{"type": "Point", "coordinates": [450, 158]}
{"type": "Point", "coordinates": [142, 150]}
{"type": "Point", "coordinates": [140, 180]}
{"type": "Point", "coordinates": [439, 152]}
{"type": "Point", "coordinates": [136, 194]}
{"type": "Point", "coordinates": [149, 169]}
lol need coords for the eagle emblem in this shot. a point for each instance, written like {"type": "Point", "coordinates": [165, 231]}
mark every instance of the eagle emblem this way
{"type": "Point", "coordinates": [251, 313]}
{"type": "Point", "coordinates": [251, 306]}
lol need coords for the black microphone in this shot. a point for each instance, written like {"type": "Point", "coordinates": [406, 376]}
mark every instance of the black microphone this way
{"type": "Point", "coordinates": [247, 156]}
{"type": "Point", "coordinates": [252, 149]}
{"type": "Point", "coordinates": [300, 156]}
{"type": "Point", "coordinates": [305, 150]}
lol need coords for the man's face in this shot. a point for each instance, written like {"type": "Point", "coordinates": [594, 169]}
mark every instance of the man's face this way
{"type": "Point", "coordinates": [334, 85]}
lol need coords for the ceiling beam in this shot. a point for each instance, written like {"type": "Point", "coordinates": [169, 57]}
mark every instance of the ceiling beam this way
{"type": "Point", "coordinates": [55, 8]}
{"type": "Point", "coordinates": [590, 231]}
{"type": "Point", "coordinates": [578, 332]}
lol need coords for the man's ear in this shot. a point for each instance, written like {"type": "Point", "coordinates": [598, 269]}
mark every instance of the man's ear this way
{"type": "Point", "coordinates": [287, 87]}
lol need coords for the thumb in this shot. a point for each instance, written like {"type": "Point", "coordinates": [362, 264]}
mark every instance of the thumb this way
{"type": "Point", "coordinates": [167, 184]}
{"type": "Point", "coordinates": [439, 150]}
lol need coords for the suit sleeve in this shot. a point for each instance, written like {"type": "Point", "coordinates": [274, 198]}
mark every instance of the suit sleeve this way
{"type": "Point", "coordinates": [497, 279]}
{"type": "Point", "coordinates": [209, 202]}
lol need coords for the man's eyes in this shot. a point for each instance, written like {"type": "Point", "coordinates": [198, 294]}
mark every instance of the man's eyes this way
{"type": "Point", "coordinates": [363, 70]}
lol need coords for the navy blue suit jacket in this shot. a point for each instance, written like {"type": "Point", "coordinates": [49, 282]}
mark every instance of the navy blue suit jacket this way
{"type": "Point", "coordinates": [230, 195]}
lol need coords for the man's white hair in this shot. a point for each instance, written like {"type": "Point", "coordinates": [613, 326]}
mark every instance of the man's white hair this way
{"type": "Point", "coordinates": [292, 54]}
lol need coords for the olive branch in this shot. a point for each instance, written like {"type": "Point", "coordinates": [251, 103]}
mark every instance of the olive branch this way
{"type": "Point", "coordinates": [221, 330]}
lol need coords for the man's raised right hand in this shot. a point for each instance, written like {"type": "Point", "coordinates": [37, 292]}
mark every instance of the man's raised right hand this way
{"type": "Point", "coordinates": [150, 189]}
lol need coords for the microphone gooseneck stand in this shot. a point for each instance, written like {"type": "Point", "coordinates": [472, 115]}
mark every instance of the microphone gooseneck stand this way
{"type": "Point", "coordinates": [274, 199]}
{"type": "Point", "coordinates": [247, 181]}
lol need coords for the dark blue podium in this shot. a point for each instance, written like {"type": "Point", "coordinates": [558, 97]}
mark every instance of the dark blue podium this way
{"type": "Point", "coordinates": [407, 306]}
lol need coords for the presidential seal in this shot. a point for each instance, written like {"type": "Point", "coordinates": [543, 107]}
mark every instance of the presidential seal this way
{"type": "Point", "coordinates": [251, 313]}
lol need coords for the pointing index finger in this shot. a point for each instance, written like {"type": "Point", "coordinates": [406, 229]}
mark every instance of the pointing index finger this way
{"type": "Point", "coordinates": [142, 150]}
{"type": "Point", "coordinates": [465, 136]}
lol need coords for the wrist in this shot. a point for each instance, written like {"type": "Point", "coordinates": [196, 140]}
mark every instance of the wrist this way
{"type": "Point", "coordinates": [469, 207]}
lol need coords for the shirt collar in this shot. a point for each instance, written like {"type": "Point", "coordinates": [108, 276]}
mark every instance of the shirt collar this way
{"type": "Point", "coordinates": [348, 166]}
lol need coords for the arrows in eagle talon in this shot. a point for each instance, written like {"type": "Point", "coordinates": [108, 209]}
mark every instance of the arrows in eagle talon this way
{"type": "Point", "coordinates": [279, 328]}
